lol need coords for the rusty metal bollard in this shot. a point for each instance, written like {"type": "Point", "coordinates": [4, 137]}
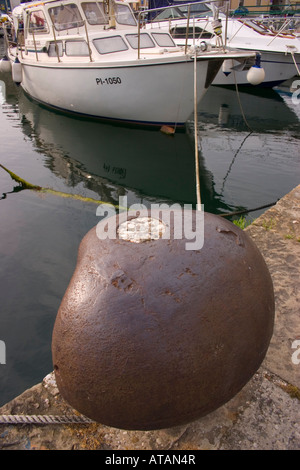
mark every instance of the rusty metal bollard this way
{"type": "Point", "coordinates": [151, 335]}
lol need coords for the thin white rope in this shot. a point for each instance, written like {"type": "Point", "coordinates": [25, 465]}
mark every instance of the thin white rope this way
{"type": "Point", "coordinates": [239, 101]}
{"type": "Point", "coordinates": [198, 192]}
{"type": "Point", "coordinates": [293, 57]}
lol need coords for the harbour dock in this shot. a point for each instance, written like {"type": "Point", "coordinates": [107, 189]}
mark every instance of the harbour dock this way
{"type": "Point", "coordinates": [264, 415]}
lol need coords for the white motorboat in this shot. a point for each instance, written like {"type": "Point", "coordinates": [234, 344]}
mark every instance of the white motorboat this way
{"type": "Point", "coordinates": [193, 22]}
{"type": "Point", "coordinates": [91, 58]}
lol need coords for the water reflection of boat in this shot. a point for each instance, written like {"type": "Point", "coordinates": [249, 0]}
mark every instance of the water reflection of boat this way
{"type": "Point", "coordinates": [264, 109]}
{"type": "Point", "coordinates": [247, 154]}
{"type": "Point", "coordinates": [116, 160]}
{"type": "Point", "coordinates": [143, 164]}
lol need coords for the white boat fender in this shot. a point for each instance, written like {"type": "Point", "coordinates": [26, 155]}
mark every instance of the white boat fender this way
{"type": "Point", "coordinates": [227, 67]}
{"type": "Point", "coordinates": [17, 71]}
{"type": "Point", "coordinates": [5, 65]}
{"type": "Point", "coordinates": [223, 116]}
{"type": "Point", "coordinates": [256, 73]}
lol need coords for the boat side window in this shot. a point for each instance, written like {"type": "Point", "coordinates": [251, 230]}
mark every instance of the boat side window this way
{"type": "Point", "coordinates": [55, 48]}
{"type": "Point", "coordinates": [110, 44]}
{"type": "Point", "coordinates": [179, 32]}
{"type": "Point", "coordinates": [37, 22]}
{"type": "Point", "coordinates": [163, 40]}
{"type": "Point", "coordinates": [66, 17]}
{"type": "Point", "coordinates": [94, 12]}
{"type": "Point", "coordinates": [124, 15]}
{"type": "Point", "coordinates": [77, 48]}
{"type": "Point", "coordinates": [145, 40]}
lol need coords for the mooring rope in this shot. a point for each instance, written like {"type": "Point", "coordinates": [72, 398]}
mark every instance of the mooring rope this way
{"type": "Point", "coordinates": [43, 419]}
{"type": "Point", "coordinates": [294, 60]}
{"type": "Point", "coordinates": [245, 211]}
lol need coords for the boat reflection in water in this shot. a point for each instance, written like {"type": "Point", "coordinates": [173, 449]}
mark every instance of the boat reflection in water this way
{"type": "Point", "coordinates": [149, 166]}
{"type": "Point", "coordinates": [250, 144]}
{"type": "Point", "coordinates": [265, 110]}
{"type": "Point", "coordinates": [112, 161]}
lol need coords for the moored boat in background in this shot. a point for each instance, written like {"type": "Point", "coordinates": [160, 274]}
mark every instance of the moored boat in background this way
{"type": "Point", "coordinates": [208, 24]}
{"type": "Point", "coordinates": [93, 59]}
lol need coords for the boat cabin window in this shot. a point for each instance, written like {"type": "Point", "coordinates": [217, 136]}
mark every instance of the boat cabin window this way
{"type": "Point", "coordinates": [179, 32]}
{"type": "Point", "coordinates": [65, 17]}
{"type": "Point", "coordinates": [145, 41]}
{"type": "Point", "coordinates": [94, 12]}
{"type": "Point", "coordinates": [124, 15]}
{"type": "Point", "coordinates": [77, 48]}
{"type": "Point", "coordinates": [110, 44]}
{"type": "Point", "coordinates": [37, 22]}
{"type": "Point", "coordinates": [55, 49]}
{"type": "Point", "coordinates": [163, 40]}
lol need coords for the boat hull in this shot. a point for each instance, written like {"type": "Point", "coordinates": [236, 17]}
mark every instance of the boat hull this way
{"type": "Point", "coordinates": [146, 94]}
{"type": "Point", "coordinates": [278, 68]}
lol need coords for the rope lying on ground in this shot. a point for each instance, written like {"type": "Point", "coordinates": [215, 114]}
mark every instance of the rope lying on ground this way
{"type": "Point", "coordinates": [43, 419]}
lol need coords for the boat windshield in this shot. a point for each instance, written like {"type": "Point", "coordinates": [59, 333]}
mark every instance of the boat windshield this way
{"type": "Point", "coordinates": [124, 15]}
{"type": "Point", "coordinates": [182, 12]}
{"type": "Point", "coordinates": [94, 12]}
{"type": "Point", "coordinates": [66, 17]}
{"type": "Point", "coordinates": [196, 11]}
{"type": "Point", "coordinates": [37, 22]}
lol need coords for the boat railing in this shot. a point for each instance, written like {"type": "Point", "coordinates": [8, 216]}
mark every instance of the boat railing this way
{"type": "Point", "coordinates": [217, 7]}
{"type": "Point", "coordinates": [85, 30]}
{"type": "Point", "coordinates": [282, 24]}
{"type": "Point", "coordinates": [55, 43]}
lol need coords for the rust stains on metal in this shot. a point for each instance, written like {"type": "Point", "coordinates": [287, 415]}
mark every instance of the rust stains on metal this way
{"type": "Point", "coordinates": [151, 335]}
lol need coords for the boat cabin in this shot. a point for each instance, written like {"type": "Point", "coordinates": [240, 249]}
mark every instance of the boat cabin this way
{"type": "Point", "coordinates": [71, 29]}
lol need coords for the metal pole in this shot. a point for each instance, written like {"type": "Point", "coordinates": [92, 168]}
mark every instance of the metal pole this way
{"type": "Point", "coordinates": [187, 29]}
{"type": "Point", "coordinates": [139, 35]}
{"type": "Point", "coordinates": [226, 24]}
{"type": "Point", "coordinates": [55, 42]}
{"type": "Point", "coordinates": [36, 54]}
{"type": "Point", "coordinates": [88, 42]}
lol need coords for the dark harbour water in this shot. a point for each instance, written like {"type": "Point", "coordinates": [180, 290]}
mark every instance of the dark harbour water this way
{"type": "Point", "coordinates": [39, 234]}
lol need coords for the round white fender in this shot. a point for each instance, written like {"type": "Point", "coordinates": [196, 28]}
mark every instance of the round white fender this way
{"type": "Point", "coordinates": [256, 74]}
